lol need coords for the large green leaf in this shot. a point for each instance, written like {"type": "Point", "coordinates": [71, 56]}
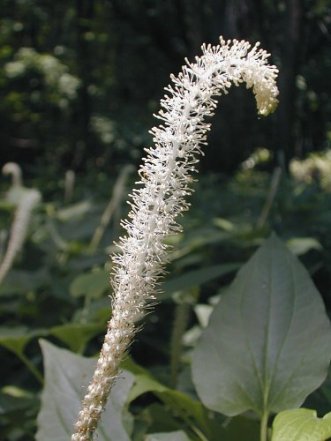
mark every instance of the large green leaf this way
{"type": "Point", "coordinates": [66, 379]}
{"type": "Point", "coordinates": [268, 342]}
{"type": "Point", "coordinates": [77, 335]}
{"type": "Point", "coordinates": [16, 339]}
{"type": "Point", "coordinates": [301, 245]}
{"type": "Point", "coordinates": [301, 425]}
{"type": "Point", "coordinates": [92, 285]}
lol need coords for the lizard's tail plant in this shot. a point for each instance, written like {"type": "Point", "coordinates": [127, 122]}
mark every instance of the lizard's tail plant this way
{"type": "Point", "coordinates": [13, 169]}
{"type": "Point", "coordinates": [161, 196]}
{"type": "Point", "coordinates": [26, 200]}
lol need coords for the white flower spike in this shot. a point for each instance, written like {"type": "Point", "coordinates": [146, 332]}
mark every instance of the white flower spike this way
{"type": "Point", "coordinates": [161, 196]}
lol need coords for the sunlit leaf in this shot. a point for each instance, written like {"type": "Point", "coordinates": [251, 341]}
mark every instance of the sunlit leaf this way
{"type": "Point", "coordinates": [301, 245]}
{"type": "Point", "coordinates": [224, 224]}
{"type": "Point", "coordinates": [203, 313]}
{"type": "Point", "coordinates": [301, 425]}
{"type": "Point", "coordinates": [14, 399]}
{"type": "Point", "coordinates": [74, 211]}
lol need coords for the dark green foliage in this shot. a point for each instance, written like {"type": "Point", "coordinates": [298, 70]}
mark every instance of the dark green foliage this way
{"type": "Point", "coordinates": [80, 80]}
{"type": "Point", "coordinates": [58, 289]}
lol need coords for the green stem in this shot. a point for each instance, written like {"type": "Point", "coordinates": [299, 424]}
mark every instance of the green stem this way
{"type": "Point", "coordinates": [264, 426]}
{"type": "Point", "coordinates": [199, 434]}
{"type": "Point", "coordinates": [35, 372]}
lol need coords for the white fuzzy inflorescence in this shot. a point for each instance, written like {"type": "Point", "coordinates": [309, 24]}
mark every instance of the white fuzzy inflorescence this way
{"type": "Point", "coordinates": [166, 174]}
{"type": "Point", "coordinates": [19, 229]}
{"type": "Point", "coordinates": [25, 200]}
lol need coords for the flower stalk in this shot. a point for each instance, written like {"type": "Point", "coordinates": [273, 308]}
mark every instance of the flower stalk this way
{"type": "Point", "coordinates": [161, 195]}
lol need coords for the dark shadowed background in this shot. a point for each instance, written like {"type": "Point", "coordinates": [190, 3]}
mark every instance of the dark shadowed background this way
{"type": "Point", "coordinates": [80, 79]}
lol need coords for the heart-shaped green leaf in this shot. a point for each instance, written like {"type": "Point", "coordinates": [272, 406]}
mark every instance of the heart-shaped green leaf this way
{"type": "Point", "coordinates": [301, 425]}
{"type": "Point", "coordinates": [66, 378]}
{"type": "Point", "coordinates": [268, 342]}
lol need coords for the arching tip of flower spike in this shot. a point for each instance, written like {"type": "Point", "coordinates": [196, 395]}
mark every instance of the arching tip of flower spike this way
{"type": "Point", "coordinates": [268, 108]}
{"type": "Point", "coordinates": [266, 93]}
{"type": "Point", "coordinates": [13, 169]}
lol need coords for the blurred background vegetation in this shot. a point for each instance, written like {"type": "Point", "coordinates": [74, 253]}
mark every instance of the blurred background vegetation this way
{"type": "Point", "coordinates": [79, 83]}
{"type": "Point", "coordinates": [80, 79]}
